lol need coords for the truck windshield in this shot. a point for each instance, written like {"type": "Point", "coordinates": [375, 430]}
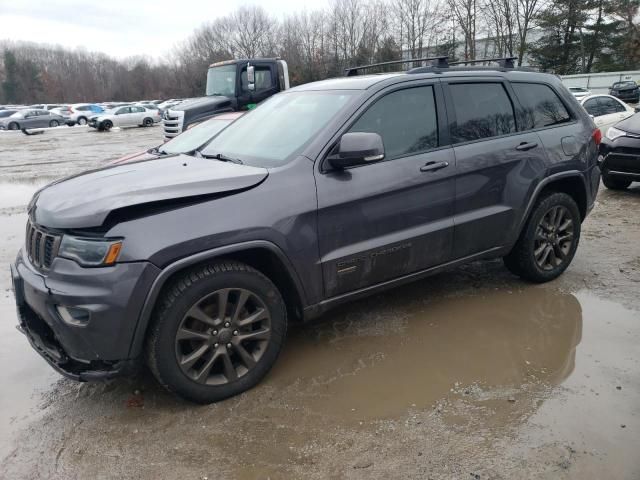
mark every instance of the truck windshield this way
{"type": "Point", "coordinates": [222, 81]}
{"type": "Point", "coordinates": [279, 128]}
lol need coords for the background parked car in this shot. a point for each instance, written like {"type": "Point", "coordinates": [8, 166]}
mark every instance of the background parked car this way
{"type": "Point", "coordinates": [129, 116]}
{"type": "Point", "coordinates": [31, 118]}
{"type": "Point", "coordinates": [188, 141]}
{"type": "Point", "coordinates": [579, 92]}
{"type": "Point", "coordinates": [45, 106]}
{"type": "Point", "coordinates": [606, 110]}
{"type": "Point", "coordinates": [81, 112]}
{"type": "Point", "coordinates": [620, 154]}
{"type": "Point", "coordinates": [627, 91]}
{"type": "Point", "coordinates": [65, 112]}
{"type": "Point", "coordinates": [7, 113]}
{"type": "Point", "coordinates": [152, 107]}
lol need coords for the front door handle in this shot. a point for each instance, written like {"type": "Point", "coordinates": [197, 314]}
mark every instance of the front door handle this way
{"type": "Point", "coordinates": [433, 166]}
{"type": "Point", "coordinates": [526, 146]}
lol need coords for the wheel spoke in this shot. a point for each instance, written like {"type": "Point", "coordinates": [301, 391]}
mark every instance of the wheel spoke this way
{"type": "Point", "coordinates": [558, 252]}
{"type": "Point", "coordinates": [559, 217]}
{"type": "Point", "coordinates": [258, 315]}
{"type": "Point", "coordinates": [242, 300]}
{"type": "Point", "coordinates": [538, 251]}
{"type": "Point", "coordinates": [552, 216]}
{"type": "Point", "coordinates": [564, 238]}
{"type": "Point", "coordinates": [203, 374]}
{"type": "Point", "coordinates": [229, 369]}
{"type": "Point", "coordinates": [223, 299]}
{"type": "Point", "coordinates": [552, 257]}
{"type": "Point", "coordinates": [188, 361]}
{"type": "Point", "coordinates": [188, 334]}
{"type": "Point", "coordinates": [199, 314]}
{"type": "Point", "coordinates": [566, 224]}
{"type": "Point", "coordinates": [257, 335]}
{"type": "Point", "coordinates": [545, 255]}
{"type": "Point", "coordinates": [245, 356]}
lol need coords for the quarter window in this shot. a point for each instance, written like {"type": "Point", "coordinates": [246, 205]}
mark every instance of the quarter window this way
{"type": "Point", "coordinates": [482, 110]}
{"type": "Point", "coordinates": [609, 105]}
{"type": "Point", "coordinates": [541, 106]}
{"type": "Point", "coordinates": [592, 107]}
{"type": "Point", "coordinates": [405, 119]}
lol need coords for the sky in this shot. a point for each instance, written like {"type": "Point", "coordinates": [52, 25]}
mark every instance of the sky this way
{"type": "Point", "coordinates": [123, 28]}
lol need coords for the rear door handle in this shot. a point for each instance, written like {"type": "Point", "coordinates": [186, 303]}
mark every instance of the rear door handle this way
{"type": "Point", "coordinates": [433, 166]}
{"type": "Point", "coordinates": [526, 146]}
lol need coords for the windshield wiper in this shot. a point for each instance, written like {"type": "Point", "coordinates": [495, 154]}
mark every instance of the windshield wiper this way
{"type": "Point", "coordinates": [222, 158]}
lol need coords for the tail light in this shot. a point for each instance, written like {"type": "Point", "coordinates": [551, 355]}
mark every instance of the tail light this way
{"type": "Point", "coordinates": [597, 136]}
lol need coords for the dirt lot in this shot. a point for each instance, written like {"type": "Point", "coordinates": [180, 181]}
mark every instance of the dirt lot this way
{"type": "Point", "coordinates": [470, 374]}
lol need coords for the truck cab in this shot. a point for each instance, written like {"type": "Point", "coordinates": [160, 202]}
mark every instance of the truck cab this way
{"type": "Point", "coordinates": [232, 85]}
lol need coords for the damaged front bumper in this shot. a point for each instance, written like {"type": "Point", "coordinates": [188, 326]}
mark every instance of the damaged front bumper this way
{"type": "Point", "coordinates": [98, 346]}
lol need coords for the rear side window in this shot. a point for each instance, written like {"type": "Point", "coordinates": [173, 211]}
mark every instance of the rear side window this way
{"type": "Point", "coordinates": [593, 107]}
{"type": "Point", "coordinates": [541, 106]}
{"type": "Point", "coordinates": [482, 110]}
{"type": "Point", "coordinates": [405, 119]}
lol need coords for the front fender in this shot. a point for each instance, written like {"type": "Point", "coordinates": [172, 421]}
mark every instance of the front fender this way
{"type": "Point", "coordinates": [137, 342]}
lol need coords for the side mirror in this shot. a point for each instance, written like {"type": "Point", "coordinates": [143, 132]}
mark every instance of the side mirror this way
{"type": "Point", "coordinates": [357, 148]}
{"type": "Point", "coordinates": [251, 77]}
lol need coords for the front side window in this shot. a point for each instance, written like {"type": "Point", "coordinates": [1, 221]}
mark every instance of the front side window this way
{"type": "Point", "coordinates": [262, 79]}
{"type": "Point", "coordinates": [405, 119]}
{"type": "Point", "coordinates": [122, 111]}
{"type": "Point", "coordinates": [609, 105]}
{"type": "Point", "coordinates": [222, 81]}
{"type": "Point", "coordinates": [541, 106]}
{"type": "Point", "coordinates": [482, 110]}
{"type": "Point", "coordinates": [275, 131]}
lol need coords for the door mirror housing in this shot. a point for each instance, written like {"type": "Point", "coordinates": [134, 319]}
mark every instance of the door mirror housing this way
{"type": "Point", "coordinates": [251, 77]}
{"type": "Point", "coordinates": [357, 148]}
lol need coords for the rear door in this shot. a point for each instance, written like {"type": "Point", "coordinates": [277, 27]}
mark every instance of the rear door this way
{"type": "Point", "coordinates": [383, 220]}
{"type": "Point", "coordinates": [496, 164]}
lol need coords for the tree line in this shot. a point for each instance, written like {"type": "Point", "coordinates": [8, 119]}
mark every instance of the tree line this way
{"type": "Point", "coordinates": [561, 36]}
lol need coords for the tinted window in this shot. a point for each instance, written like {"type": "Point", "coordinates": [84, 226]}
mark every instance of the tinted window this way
{"type": "Point", "coordinates": [122, 110]}
{"type": "Point", "coordinates": [262, 79]}
{"type": "Point", "coordinates": [43, 113]}
{"type": "Point", "coordinates": [406, 120]}
{"type": "Point", "coordinates": [592, 107]}
{"type": "Point", "coordinates": [541, 106]}
{"type": "Point", "coordinates": [609, 105]}
{"type": "Point", "coordinates": [482, 110]}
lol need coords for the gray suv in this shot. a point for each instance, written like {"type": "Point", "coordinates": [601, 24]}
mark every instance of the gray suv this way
{"type": "Point", "coordinates": [327, 192]}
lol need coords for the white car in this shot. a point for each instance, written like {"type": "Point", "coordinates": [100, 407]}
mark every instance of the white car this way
{"type": "Point", "coordinates": [127, 116]}
{"type": "Point", "coordinates": [579, 92]}
{"type": "Point", "coordinates": [79, 113]}
{"type": "Point", "coordinates": [606, 110]}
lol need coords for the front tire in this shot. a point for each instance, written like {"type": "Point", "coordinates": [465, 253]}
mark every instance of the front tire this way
{"type": "Point", "coordinates": [613, 183]}
{"type": "Point", "coordinates": [82, 121]}
{"type": "Point", "coordinates": [14, 126]}
{"type": "Point", "coordinates": [216, 332]}
{"type": "Point", "coordinates": [106, 125]}
{"type": "Point", "coordinates": [54, 123]}
{"type": "Point", "coordinates": [549, 240]}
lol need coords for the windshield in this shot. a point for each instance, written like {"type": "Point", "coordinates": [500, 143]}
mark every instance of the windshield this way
{"type": "Point", "coordinates": [222, 81]}
{"type": "Point", "coordinates": [194, 137]}
{"type": "Point", "coordinates": [623, 84]}
{"type": "Point", "coordinates": [279, 128]}
{"type": "Point", "coordinates": [6, 113]}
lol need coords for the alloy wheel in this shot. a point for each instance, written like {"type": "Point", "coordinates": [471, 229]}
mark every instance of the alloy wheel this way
{"type": "Point", "coordinates": [222, 336]}
{"type": "Point", "coordinates": [554, 238]}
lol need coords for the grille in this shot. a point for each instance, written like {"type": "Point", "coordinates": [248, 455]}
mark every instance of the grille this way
{"type": "Point", "coordinates": [173, 121]}
{"type": "Point", "coordinates": [41, 246]}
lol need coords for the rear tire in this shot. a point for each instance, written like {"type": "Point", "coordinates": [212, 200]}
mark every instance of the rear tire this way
{"type": "Point", "coordinates": [613, 183]}
{"type": "Point", "coordinates": [147, 122]}
{"type": "Point", "coordinates": [54, 123]}
{"type": "Point", "coordinates": [216, 331]}
{"type": "Point", "coordinates": [549, 240]}
{"type": "Point", "coordinates": [82, 121]}
{"type": "Point", "coordinates": [14, 126]}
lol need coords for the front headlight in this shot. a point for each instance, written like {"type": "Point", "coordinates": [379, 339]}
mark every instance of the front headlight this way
{"type": "Point", "coordinates": [90, 252]}
{"type": "Point", "coordinates": [614, 133]}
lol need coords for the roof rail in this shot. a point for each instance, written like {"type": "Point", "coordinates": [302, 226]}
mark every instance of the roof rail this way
{"type": "Point", "coordinates": [503, 62]}
{"type": "Point", "coordinates": [441, 62]}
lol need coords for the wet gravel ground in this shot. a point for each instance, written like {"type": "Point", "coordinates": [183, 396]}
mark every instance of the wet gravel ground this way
{"type": "Point", "coordinates": [468, 374]}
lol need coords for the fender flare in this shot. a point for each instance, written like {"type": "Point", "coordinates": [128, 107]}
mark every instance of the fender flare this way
{"type": "Point", "coordinates": [543, 183]}
{"type": "Point", "coordinates": [137, 342]}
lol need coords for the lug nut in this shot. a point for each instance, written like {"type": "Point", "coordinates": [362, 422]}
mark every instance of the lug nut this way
{"type": "Point", "coordinates": [215, 345]}
{"type": "Point", "coordinates": [226, 324]}
{"type": "Point", "coordinates": [235, 332]}
{"type": "Point", "coordinates": [228, 345]}
{"type": "Point", "coordinates": [215, 332]}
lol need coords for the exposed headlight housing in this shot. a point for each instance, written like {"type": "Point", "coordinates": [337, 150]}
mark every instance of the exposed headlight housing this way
{"type": "Point", "coordinates": [90, 252]}
{"type": "Point", "coordinates": [614, 133]}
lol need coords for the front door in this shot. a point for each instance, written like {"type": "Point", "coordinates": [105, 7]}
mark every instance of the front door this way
{"type": "Point", "coordinates": [383, 220]}
{"type": "Point", "coordinates": [495, 164]}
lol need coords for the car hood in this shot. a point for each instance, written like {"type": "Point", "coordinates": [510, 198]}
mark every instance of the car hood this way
{"type": "Point", "coordinates": [630, 124]}
{"type": "Point", "coordinates": [85, 200]}
{"type": "Point", "coordinates": [197, 106]}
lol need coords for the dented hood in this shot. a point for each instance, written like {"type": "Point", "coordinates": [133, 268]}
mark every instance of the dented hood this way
{"type": "Point", "coordinates": [85, 200]}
